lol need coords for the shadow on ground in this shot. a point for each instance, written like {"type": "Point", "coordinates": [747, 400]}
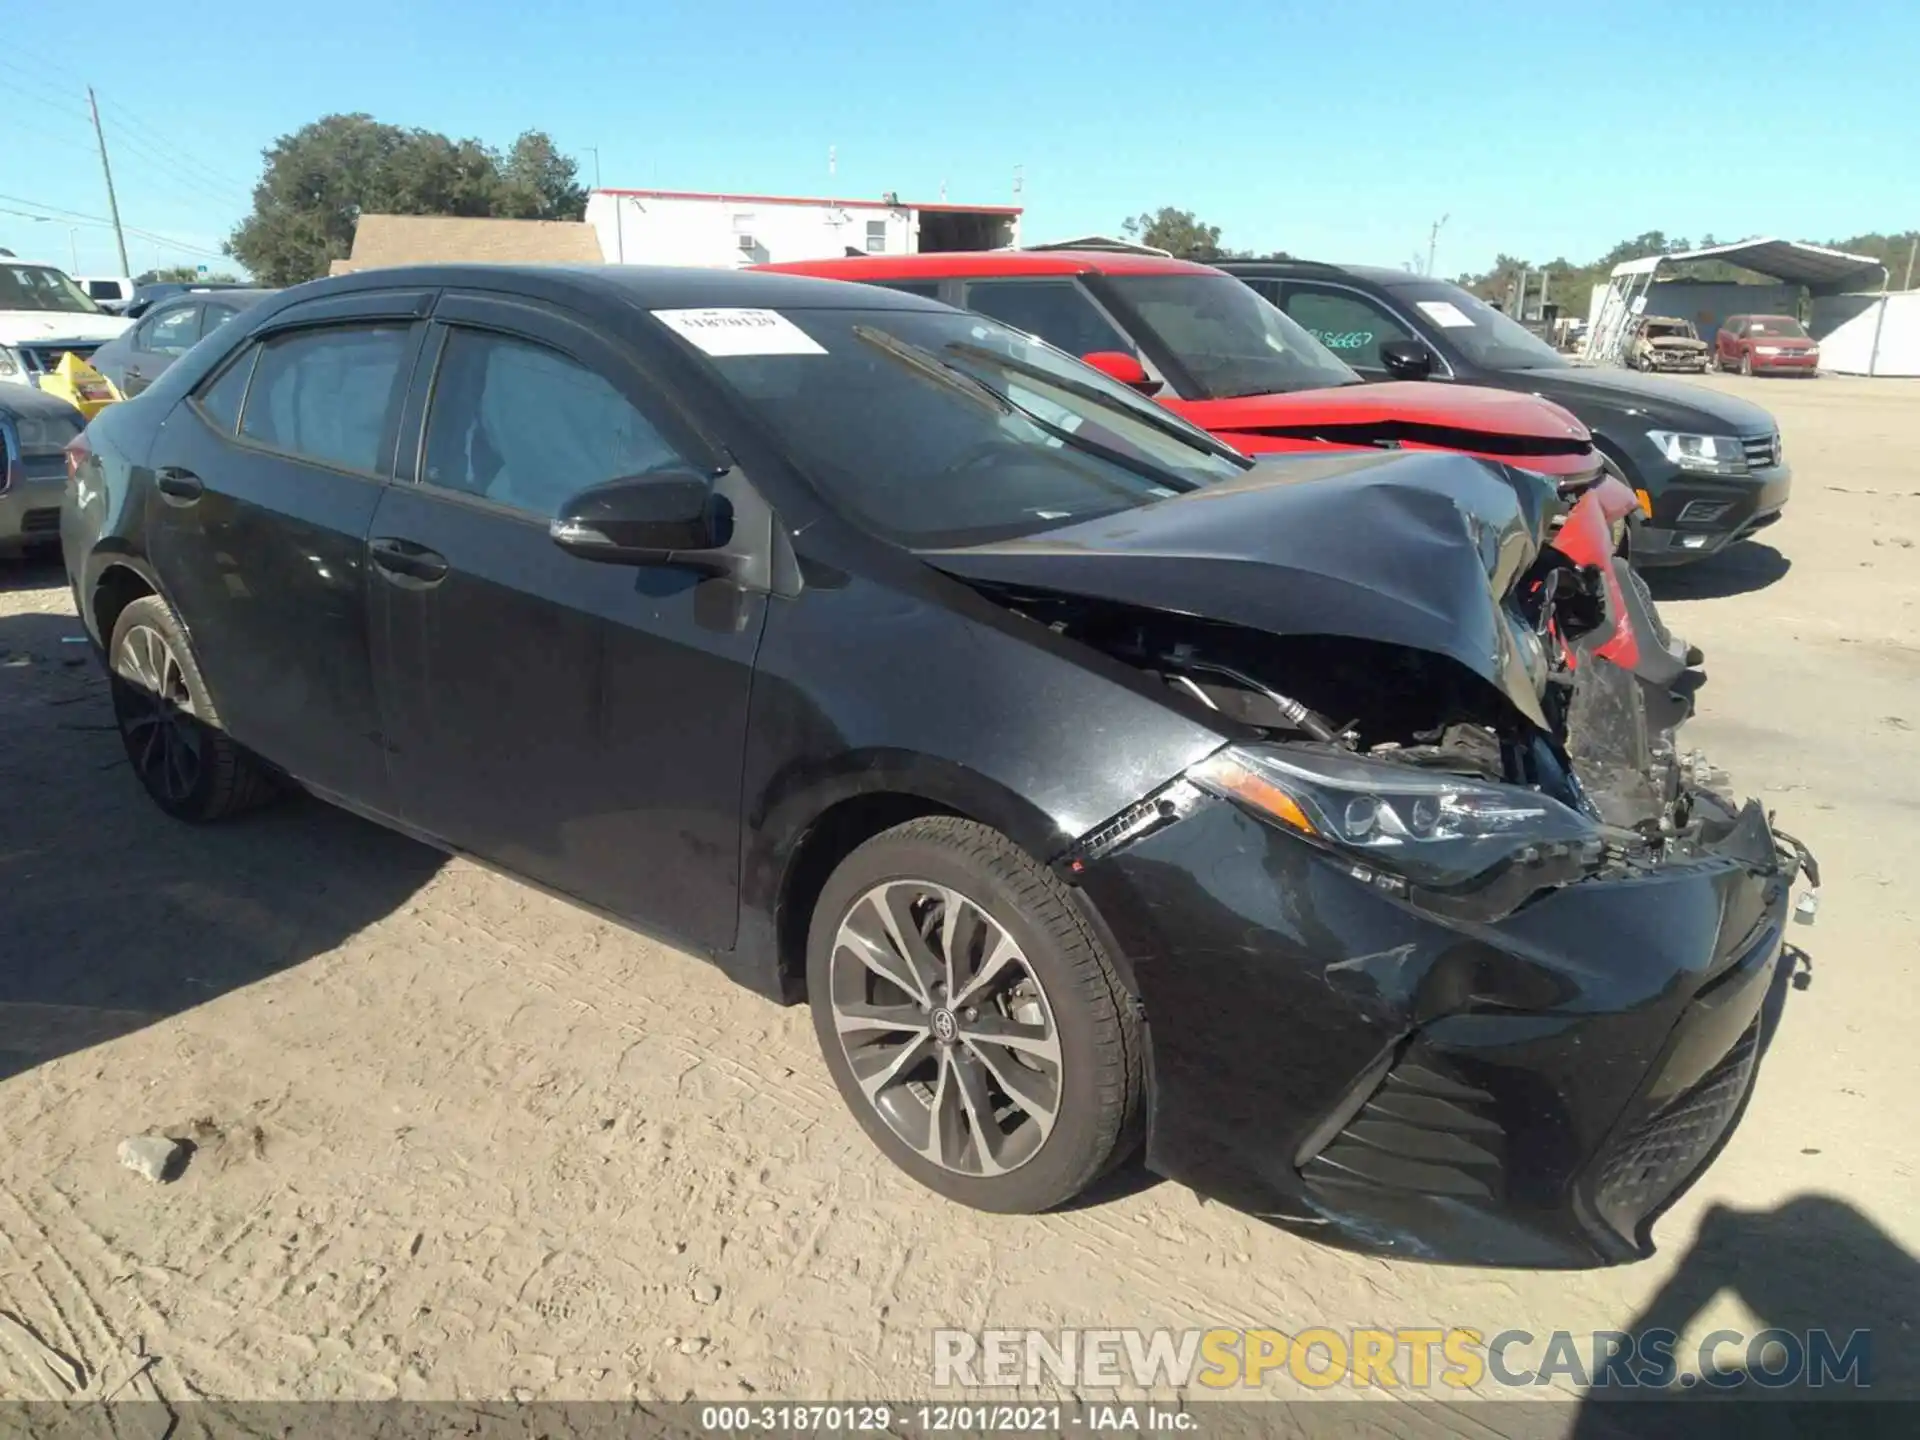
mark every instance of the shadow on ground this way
{"type": "Point", "coordinates": [113, 916]}
{"type": "Point", "coordinates": [1740, 569]}
{"type": "Point", "coordinates": [36, 570]}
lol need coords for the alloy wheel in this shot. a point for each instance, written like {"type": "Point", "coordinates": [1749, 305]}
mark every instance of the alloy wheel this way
{"type": "Point", "coordinates": [156, 713]}
{"type": "Point", "coordinates": [948, 1030]}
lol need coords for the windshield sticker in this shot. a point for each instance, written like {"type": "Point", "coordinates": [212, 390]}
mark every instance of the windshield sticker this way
{"type": "Point", "coordinates": [730, 332]}
{"type": "Point", "coordinates": [1343, 340]}
{"type": "Point", "coordinates": [1446, 313]}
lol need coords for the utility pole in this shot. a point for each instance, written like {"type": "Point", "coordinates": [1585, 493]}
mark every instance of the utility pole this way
{"type": "Point", "coordinates": [1433, 240]}
{"type": "Point", "coordinates": [113, 205]}
{"type": "Point", "coordinates": [594, 150]}
{"type": "Point", "coordinates": [1912, 250]}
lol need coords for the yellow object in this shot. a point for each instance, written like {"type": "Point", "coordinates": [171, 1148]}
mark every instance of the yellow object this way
{"type": "Point", "coordinates": [1646, 503]}
{"type": "Point", "coordinates": [80, 385]}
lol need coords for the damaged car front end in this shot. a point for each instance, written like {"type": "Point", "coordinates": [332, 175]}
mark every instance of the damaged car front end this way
{"type": "Point", "coordinates": [1449, 952]}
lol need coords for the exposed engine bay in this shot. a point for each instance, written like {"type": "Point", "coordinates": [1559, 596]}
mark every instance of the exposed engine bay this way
{"type": "Point", "coordinates": [1456, 622]}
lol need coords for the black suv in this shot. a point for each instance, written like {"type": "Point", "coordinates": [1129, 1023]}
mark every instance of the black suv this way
{"type": "Point", "coordinates": [1707, 466]}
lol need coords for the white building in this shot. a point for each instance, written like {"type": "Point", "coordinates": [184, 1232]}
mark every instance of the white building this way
{"type": "Point", "coordinates": [678, 227]}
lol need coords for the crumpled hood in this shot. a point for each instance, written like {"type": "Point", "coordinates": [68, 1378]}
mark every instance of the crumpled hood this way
{"type": "Point", "coordinates": [37, 325]}
{"type": "Point", "coordinates": [1446, 407]}
{"type": "Point", "coordinates": [1415, 548]}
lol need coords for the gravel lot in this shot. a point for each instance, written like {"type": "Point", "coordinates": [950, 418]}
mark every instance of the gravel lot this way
{"type": "Point", "coordinates": [455, 1139]}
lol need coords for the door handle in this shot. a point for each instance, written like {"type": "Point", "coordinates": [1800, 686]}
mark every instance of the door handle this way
{"type": "Point", "coordinates": [403, 560]}
{"type": "Point", "coordinates": [177, 484]}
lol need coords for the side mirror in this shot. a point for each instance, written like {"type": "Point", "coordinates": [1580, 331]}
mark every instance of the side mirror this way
{"type": "Point", "coordinates": [1118, 365]}
{"type": "Point", "coordinates": [645, 520]}
{"type": "Point", "coordinates": [1407, 360]}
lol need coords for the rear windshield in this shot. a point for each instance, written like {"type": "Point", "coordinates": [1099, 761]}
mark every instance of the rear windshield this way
{"type": "Point", "coordinates": [1225, 337]}
{"type": "Point", "coordinates": [1777, 326]}
{"type": "Point", "coordinates": [1485, 336]}
{"type": "Point", "coordinates": [40, 287]}
{"type": "Point", "coordinates": [940, 428]}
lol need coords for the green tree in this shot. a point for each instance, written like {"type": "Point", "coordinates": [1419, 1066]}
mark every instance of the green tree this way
{"type": "Point", "coordinates": [1176, 231]}
{"type": "Point", "coordinates": [319, 180]}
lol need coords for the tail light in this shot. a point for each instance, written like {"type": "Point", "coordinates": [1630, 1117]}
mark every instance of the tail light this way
{"type": "Point", "coordinates": [78, 452]}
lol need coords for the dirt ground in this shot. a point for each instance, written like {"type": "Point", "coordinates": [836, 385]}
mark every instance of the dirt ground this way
{"type": "Point", "coordinates": [455, 1139]}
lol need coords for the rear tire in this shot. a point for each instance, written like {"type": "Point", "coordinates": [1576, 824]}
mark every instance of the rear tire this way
{"type": "Point", "coordinates": [190, 766]}
{"type": "Point", "coordinates": [908, 1004]}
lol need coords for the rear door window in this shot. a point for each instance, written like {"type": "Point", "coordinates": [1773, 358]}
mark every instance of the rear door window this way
{"type": "Point", "coordinates": [926, 289]}
{"type": "Point", "coordinates": [1347, 323]}
{"type": "Point", "coordinates": [328, 395]}
{"type": "Point", "coordinates": [219, 400]}
{"type": "Point", "coordinates": [1058, 311]}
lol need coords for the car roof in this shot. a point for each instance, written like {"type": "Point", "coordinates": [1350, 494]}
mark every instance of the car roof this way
{"type": "Point", "coordinates": [225, 292]}
{"type": "Point", "coordinates": [977, 264]}
{"type": "Point", "coordinates": [645, 286]}
{"type": "Point", "coordinates": [1280, 269]}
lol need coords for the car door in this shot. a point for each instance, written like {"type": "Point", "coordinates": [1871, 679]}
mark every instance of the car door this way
{"type": "Point", "coordinates": [579, 723]}
{"type": "Point", "coordinates": [1352, 325]}
{"type": "Point", "coordinates": [267, 478]}
{"type": "Point", "coordinates": [1726, 343]}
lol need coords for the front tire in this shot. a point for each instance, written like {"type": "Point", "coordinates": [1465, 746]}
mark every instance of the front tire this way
{"type": "Point", "coordinates": [1746, 366]}
{"type": "Point", "coordinates": [190, 766]}
{"type": "Point", "coordinates": [972, 1019]}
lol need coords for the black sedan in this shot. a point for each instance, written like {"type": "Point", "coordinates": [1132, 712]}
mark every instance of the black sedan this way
{"type": "Point", "coordinates": [1707, 465]}
{"type": "Point", "coordinates": [1094, 784]}
{"type": "Point", "coordinates": [166, 330]}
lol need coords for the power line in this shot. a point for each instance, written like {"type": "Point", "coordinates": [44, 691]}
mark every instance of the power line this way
{"type": "Point", "coordinates": [44, 211]}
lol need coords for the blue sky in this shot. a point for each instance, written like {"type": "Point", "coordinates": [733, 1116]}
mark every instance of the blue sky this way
{"type": "Point", "coordinates": [1337, 131]}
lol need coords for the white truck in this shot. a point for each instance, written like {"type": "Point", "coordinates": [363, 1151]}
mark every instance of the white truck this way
{"type": "Point", "coordinates": [43, 316]}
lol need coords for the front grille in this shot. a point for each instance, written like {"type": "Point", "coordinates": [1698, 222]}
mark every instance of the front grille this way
{"type": "Point", "coordinates": [1652, 1161]}
{"type": "Point", "coordinates": [1763, 451]}
{"type": "Point", "coordinates": [1420, 1130]}
{"type": "Point", "coordinates": [44, 359]}
{"type": "Point", "coordinates": [40, 522]}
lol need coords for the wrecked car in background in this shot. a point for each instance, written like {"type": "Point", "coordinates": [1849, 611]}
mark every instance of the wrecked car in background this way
{"type": "Point", "coordinates": [1094, 783]}
{"type": "Point", "coordinates": [1661, 343]}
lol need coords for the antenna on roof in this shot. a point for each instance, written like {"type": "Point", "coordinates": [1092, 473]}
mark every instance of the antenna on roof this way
{"type": "Point", "coordinates": [1019, 180]}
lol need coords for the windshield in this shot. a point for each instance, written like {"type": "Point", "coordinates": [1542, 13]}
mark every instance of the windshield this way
{"type": "Point", "coordinates": [1225, 337]}
{"type": "Point", "coordinates": [40, 287]}
{"type": "Point", "coordinates": [1670, 330]}
{"type": "Point", "coordinates": [1483, 335]}
{"type": "Point", "coordinates": [938, 428]}
{"type": "Point", "coordinates": [1777, 326]}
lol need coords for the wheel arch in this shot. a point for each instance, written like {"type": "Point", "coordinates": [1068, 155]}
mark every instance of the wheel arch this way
{"type": "Point", "coordinates": [799, 839]}
{"type": "Point", "coordinates": [119, 582]}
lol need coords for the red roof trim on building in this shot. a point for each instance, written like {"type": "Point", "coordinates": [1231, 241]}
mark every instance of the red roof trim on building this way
{"type": "Point", "coordinates": [811, 200]}
{"type": "Point", "coordinates": [979, 264]}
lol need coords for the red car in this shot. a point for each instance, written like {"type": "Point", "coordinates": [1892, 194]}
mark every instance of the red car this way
{"type": "Point", "coordinates": [1765, 345]}
{"type": "Point", "coordinates": [1214, 352]}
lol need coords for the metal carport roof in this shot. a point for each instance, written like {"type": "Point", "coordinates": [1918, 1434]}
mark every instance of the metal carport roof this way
{"type": "Point", "coordinates": [1793, 261]}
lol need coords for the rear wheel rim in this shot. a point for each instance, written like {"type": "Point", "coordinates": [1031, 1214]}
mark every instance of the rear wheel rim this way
{"type": "Point", "coordinates": [948, 1031]}
{"type": "Point", "coordinates": [156, 713]}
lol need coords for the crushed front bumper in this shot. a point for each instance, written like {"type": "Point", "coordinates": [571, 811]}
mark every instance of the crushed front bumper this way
{"type": "Point", "coordinates": [1531, 1092]}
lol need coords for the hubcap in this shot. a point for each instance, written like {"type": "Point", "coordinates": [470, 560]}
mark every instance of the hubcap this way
{"type": "Point", "coordinates": [949, 1032]}
{"type": "Point", "coordinates": [156, 714]}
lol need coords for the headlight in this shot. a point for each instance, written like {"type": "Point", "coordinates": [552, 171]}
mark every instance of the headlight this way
{"type": "Point", "coordinates": [1717, 454]}
{"type": "Point", "coordinates": [1439, 837]}
{"type": "Point", "coordinates": [1766, 349]}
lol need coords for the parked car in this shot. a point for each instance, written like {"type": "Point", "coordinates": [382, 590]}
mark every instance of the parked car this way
{"type": "Point", "coordinates": [43, 316]}
{"type": "Point", "coordinates": [1659, 342]}
{"type": "Point", "coordinates": [1212, 353]}
{"type": "Point", "coordinates": [112, 293]}
{"type": "Point", "coordinates": [35, 429]}
{"type": "Point", "coordinates": [165, 332]}
{"type": "Point", "coordinates": [1766, 345]}
{"type": "Point", "coordinates": [1708, 467]}
{"type": "Point", "coordinates": [1087, 778]}
{"type": "Point", "coordinates": [145, 297]}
